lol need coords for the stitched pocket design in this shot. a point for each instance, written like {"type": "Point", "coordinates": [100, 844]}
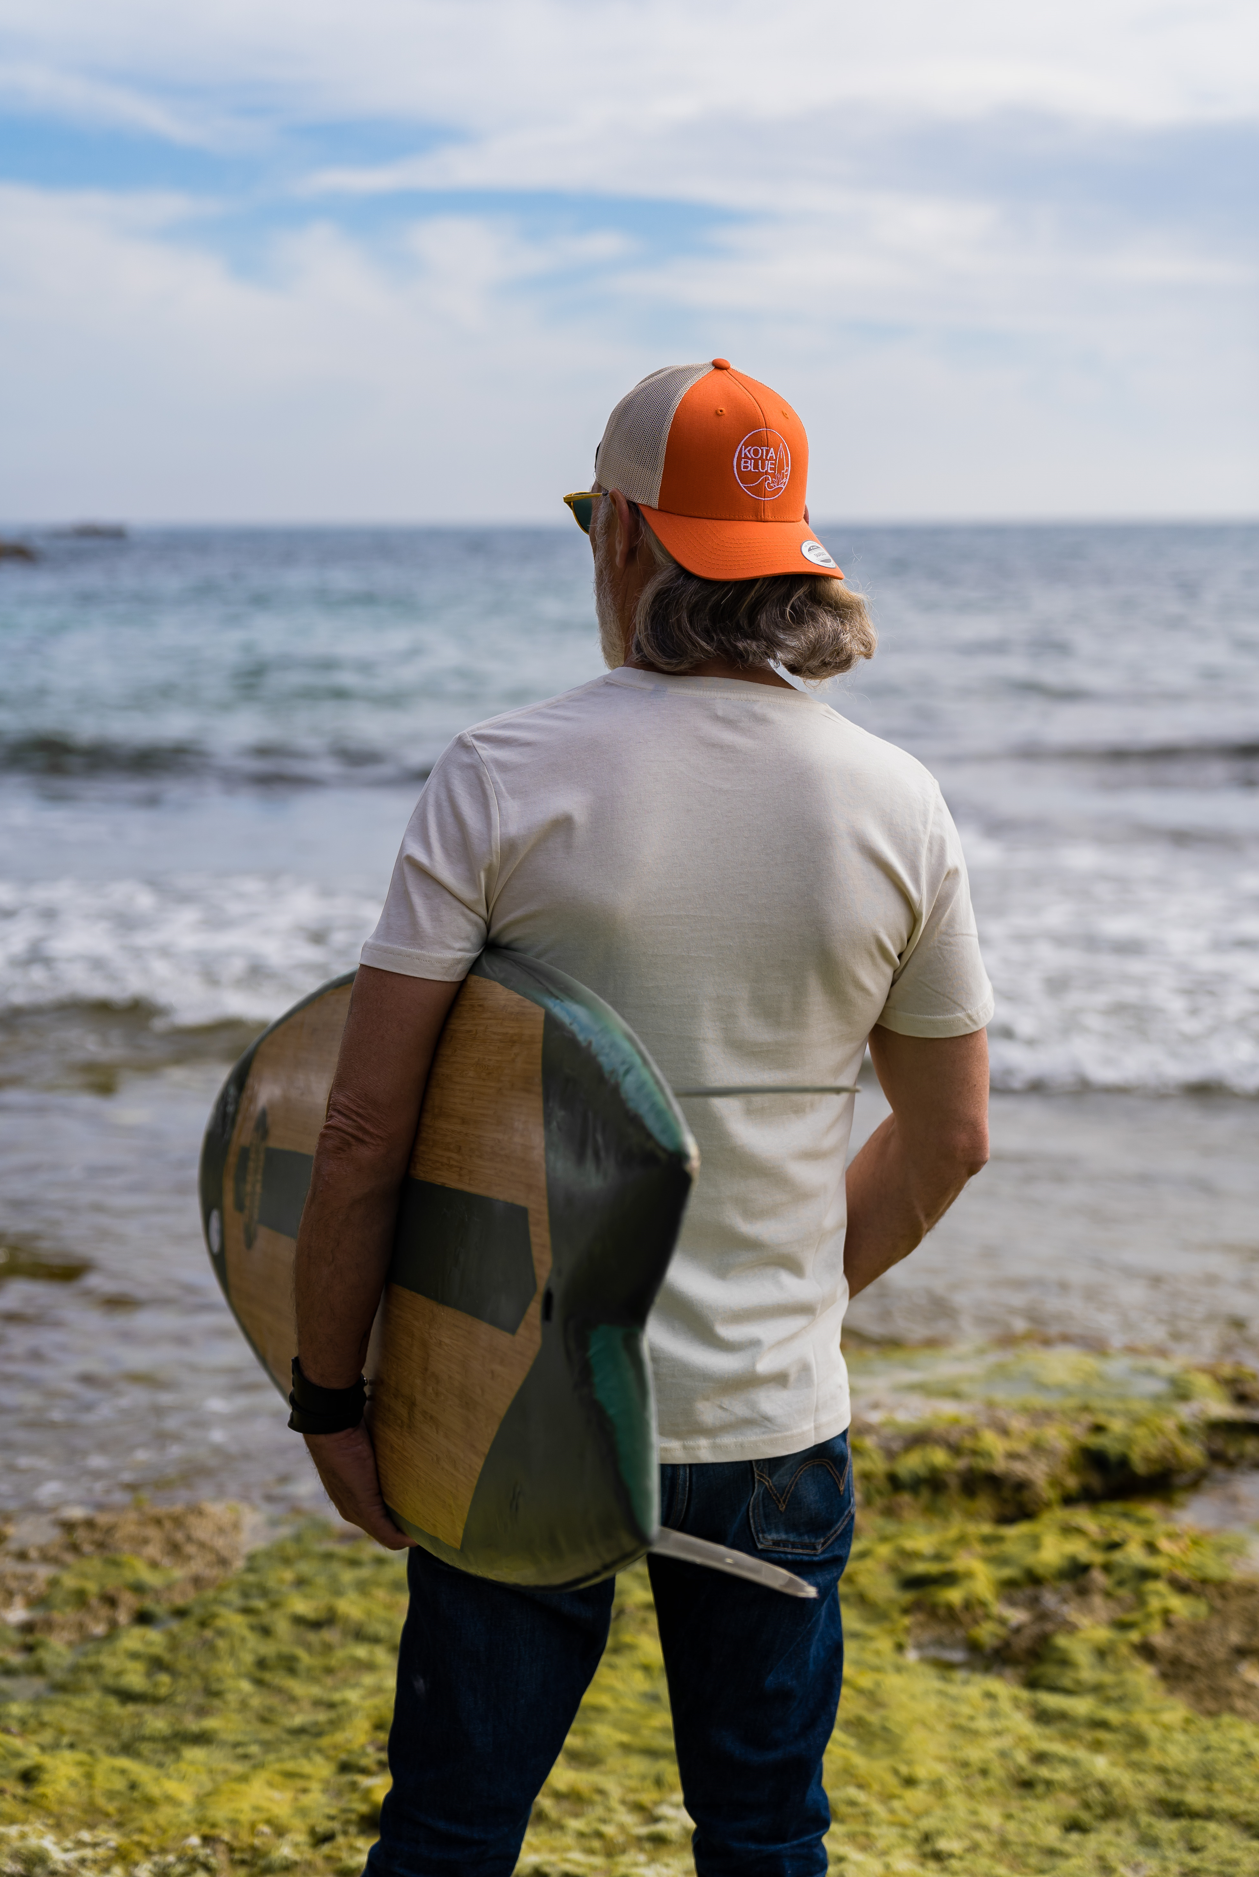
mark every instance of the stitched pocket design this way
{"type": "Point", "coordinates": [802, 1502]}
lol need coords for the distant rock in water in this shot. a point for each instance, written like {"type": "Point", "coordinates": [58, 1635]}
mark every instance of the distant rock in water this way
{"type": "Point", "coordinates": [94, 531]}
{"type": "Point", "coordinates": [17, 550]}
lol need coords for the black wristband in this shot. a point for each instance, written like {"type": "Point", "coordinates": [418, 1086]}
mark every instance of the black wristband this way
{"type": "Point", "coordinates": [319, 1410]}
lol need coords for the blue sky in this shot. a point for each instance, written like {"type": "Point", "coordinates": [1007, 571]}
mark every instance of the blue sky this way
{"type": "Point", "coordinates": [396, 260]}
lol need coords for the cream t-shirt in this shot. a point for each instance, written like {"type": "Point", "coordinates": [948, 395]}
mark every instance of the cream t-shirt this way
{"type": "Point", "coordinates": [753, 883]}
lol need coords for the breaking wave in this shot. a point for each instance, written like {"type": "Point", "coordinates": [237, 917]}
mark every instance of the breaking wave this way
{"type": "Point", "coordinates": [55, 757]}
{"type": "Point", "coordinates": [193, 950]}
{"type": "Point", "coordinates": [1110, 973]}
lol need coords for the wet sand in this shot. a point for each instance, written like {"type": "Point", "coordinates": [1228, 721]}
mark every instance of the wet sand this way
{"type": "Point", "coordinates": [1105, 1221]}
{"type": "Point", "coordinates": [1102, 1221]}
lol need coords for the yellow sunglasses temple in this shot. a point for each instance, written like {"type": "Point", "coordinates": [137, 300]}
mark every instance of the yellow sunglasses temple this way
{"type": "Point", "coordinates": [581, 504]}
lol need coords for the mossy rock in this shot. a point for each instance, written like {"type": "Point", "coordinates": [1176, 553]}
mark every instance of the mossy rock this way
{"type": "Point", "coordinates": [244, 1730]}
{"type": "Point", "coordinates": [1013, 1463]}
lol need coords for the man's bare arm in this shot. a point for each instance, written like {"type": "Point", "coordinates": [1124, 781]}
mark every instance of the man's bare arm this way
{"type": "Point", "coordinates": [916, 1162]}
{"type": "Point", "coordinates": [346, 1235]}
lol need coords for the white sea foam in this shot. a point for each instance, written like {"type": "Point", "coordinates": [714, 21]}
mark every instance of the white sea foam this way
{"type": "Point", "coordinates": [1120, 967]}
{"type": "Point", "coordinates": [1114, 967]}
{"type": "Point", "coordinates": [196, 948]}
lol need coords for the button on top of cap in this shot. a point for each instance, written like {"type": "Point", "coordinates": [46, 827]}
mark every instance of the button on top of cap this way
{"type": "Point", "coordinates": [721, 364]}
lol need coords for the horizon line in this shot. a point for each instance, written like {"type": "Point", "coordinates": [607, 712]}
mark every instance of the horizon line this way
{"type": "Point", "coordinates": [10, 527]}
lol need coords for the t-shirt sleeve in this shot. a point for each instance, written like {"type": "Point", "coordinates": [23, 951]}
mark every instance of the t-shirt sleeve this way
{"type": "Point", "coordinates": [940, 987]}
{"type": "Point", "coordinates": [436, 912]}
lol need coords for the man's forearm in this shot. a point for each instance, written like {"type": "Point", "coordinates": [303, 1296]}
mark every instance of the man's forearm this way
{"type": "Point", "coordinates": [916, 1163]}
{"type": "Point", "coordinates": [346, 1236]}
{"type": "Point", "coordinates": [894, 1199]}
{"type": "Point", "coordinates": [343, 1255]}
{"type": "Point", "coordinates": [342, 1260]}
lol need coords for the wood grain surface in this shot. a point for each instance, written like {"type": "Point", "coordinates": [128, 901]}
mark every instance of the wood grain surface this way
{"type": "Point", "coordinates": [288, 1082]}
{"type": "Point", "coordinates": [444, 1380]}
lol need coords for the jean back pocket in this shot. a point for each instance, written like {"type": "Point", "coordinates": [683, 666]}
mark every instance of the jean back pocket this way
{"type": "Point", "coordinates": [802, 1502]}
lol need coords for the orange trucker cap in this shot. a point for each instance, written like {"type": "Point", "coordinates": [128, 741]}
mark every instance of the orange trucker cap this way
{"type": "Point", "coordinates": [718, 464]}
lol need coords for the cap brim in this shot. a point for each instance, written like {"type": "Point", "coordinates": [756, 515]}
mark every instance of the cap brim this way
{"type": "Point", "coordinates": [739, 550]}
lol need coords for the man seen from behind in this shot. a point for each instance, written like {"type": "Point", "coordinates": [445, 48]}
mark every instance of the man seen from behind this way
{"type": "Point", "coordinates": [760, 889]}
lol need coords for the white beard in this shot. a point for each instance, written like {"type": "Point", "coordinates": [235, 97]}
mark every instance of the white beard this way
{"type": "Point", "coordinates": [611, 643]}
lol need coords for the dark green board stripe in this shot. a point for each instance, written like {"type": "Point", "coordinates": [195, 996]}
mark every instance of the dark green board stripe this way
{"type": "Point", "coordinates": [285, 1184]}
{"type": "Point", "coordinates": [281, 1190]}
{"type": "Point", "coordinates": [466, 1251]}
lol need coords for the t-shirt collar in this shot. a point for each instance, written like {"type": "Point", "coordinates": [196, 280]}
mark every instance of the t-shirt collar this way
{"type": "Point", "coordinates": [746, 688]}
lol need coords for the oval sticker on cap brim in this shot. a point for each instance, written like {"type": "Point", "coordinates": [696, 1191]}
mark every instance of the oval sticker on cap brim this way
{"type": "Point", "coordinates": [814, 551]}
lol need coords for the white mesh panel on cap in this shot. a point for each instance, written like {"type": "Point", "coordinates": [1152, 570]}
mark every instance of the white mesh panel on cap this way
{"type": "Point", "coordinates": [631, 455]}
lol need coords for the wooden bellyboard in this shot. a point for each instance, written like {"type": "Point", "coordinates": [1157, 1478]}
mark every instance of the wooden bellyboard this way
{"type": "Point", "coordinates": [510, 1394]}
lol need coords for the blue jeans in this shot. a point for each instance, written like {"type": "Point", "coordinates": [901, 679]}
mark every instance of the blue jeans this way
{"type": "Point", "coordinates": [490, 1679]}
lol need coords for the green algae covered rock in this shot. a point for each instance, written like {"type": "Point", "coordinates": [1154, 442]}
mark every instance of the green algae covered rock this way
{"type": "Point", "coordinates": [1073, 1691]}
{"type": "Point", "coordinates": [247, 1732]}
{"type": "Point", "coordinates": [1042, 1429]}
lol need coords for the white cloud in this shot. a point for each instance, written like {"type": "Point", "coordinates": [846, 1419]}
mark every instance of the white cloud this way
{"type": "Point", "coordinates": [427, 383]}
{"type": "Point", "coordinates": [155, 382]}
{"type": "Point", "coordinates": [76, 98]}
{"type": "Point", "coordinates": [961, 346]}
{"type": "Point", "coordinates": [495, 63]}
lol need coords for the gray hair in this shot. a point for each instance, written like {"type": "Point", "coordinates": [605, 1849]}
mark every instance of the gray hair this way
{"type": "Point", "coordinates": [811, 624]}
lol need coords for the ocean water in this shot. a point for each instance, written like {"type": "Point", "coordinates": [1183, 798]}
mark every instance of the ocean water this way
{"type": "Point", "coordinates": [210, 741]}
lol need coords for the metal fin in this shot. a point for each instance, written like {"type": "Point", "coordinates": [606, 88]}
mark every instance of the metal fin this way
{"type": "Point", "coordinates": [688, 1550]}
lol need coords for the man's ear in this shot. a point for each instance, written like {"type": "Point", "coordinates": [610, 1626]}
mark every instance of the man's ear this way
{"type": "Point", "coordinates": [628, 531]}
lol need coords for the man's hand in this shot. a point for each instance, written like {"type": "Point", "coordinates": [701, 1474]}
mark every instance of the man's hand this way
{"type": "Point", "coordinates": [346, 1463]}
{"type": "Point", "coordinates": [916, 1163]}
